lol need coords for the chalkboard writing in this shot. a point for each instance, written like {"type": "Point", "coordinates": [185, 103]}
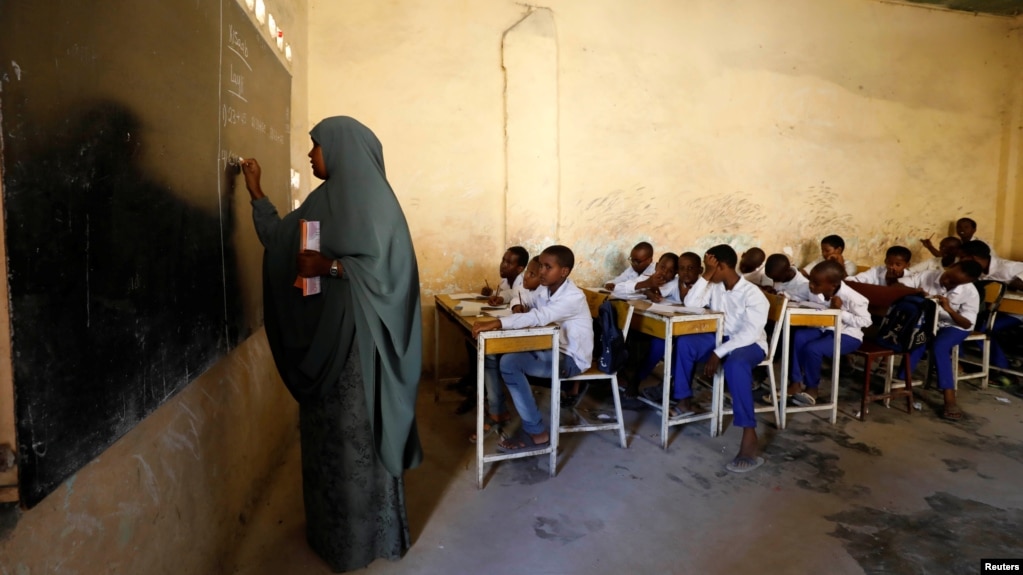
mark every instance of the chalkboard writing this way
{"type": "Point", "coordinates": [129, 273]}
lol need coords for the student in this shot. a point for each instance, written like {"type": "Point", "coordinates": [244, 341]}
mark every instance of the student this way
{"type": "Point", "coordinates": [810, 344]}
{"type": "Point", "coordinates": [832, 248]}
{"type": "Point", "coordinates": [785, 277]}
{"type": "Point", "coordinates": [966, 229]}
{"type": "Point", "coordinates": [745, 308]}
{"type": "Point", "coordinates": [645, 352]}
{"type": "Point", "coordinates": [641, 263]}
{"type": "Point", "coordinates": [512, 265]}
{"type": "Point", "coordinates": [893, 272]}
{"type": "Point", "coordinates": [1005, 271]}
{"type": "Point", "coordinates": [958, 305]}
{"type": "Point", "coordinates": [558, 300]}
{"type": "Point", "coordinates": [944, 256]}
{"type": "Point", "coordinates": [751, 266]}
{"type": "Point", "coordinates": [522, 301]}
{"type": "Point", "coordinates": [653, 286]}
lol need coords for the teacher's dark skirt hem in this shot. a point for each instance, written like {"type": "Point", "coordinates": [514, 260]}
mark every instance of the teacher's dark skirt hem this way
{"type": "Point", "coordinates": [355, 509]}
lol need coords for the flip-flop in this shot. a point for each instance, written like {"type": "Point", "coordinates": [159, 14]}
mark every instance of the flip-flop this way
{"type": "Point", "coordinates": [528, 444]}
{"type": "Point", "coordinates": [744, 464]}
{"type": "Point", "coordinates": [952, 415]}
{"type": "Point", "coordinates": [803, 399]}
{"type": "Point", "coordinates": [676, 412]}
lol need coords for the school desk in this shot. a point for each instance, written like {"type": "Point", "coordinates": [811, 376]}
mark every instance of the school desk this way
{"type": "Point", "coordinates": [667, 325]}
{"type": "Point", "coordinates": [498, 342]}
{"type": "Point", "coordinates": [809, 317]}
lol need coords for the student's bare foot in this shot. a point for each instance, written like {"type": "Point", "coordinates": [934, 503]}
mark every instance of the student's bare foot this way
{"type": "Point", "coordinates": [951, 411]}
{"type": "Point", "coordinates": [747, 459]}
{"type": "Point", "coordinates": [794, 388]}
{"type": "Point", "coordinates": [524, 442]}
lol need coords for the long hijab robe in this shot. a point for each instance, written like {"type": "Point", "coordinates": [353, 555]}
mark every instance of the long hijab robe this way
{"type": "Point", "coordinates": [375, 304]}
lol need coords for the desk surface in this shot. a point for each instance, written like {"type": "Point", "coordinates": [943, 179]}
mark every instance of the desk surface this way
{"type": "Point", "coordinates": [1012, 302]}
{"type": "Point", "coordinates": [498, 341]}
{"type": "Point", "coordinates": [656, 323]}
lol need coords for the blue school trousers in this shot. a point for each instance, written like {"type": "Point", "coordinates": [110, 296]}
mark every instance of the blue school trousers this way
{"type": "Point", "coordinates": [515, 367]}
{"type": "Point", "coordinates": [941, 354]}
{"type": "Point", "coordinates": [810, 345]}
{"type": "Point", "coordinates": [1002, 323]}
{"type": "Point", "coordinates": [737, 367]}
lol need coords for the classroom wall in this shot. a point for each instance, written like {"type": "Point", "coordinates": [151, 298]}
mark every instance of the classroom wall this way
{"type": "Point", "coordinates": [173, 494]}
{"type": "Point", "coordinates": [683, 123]}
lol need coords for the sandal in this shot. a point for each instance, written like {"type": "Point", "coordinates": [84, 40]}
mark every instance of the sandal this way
{"type": "Point", "coordinates": [803, 399]}
{"type": "Point", "coordinates": [521, 443]}
{"type": "Point", "coordinates": [677, 412]}
{"type": "Point", "coordinates": [744, 464]}
{"type": "Point", "coordinates": [952, 414]}
{"type": "Point", "coordinates": [490, 422]}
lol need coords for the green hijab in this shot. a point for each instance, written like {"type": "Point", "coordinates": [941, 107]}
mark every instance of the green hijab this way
{"type": "Point", "coordinates": [376, 304]}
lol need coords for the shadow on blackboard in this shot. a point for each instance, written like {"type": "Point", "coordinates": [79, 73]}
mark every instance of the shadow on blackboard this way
{"type": "Point", "coordinates": [119, 289]}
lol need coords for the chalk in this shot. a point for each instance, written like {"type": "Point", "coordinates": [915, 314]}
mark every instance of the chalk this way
{"type": "Point", "coordinates": [235, 161]}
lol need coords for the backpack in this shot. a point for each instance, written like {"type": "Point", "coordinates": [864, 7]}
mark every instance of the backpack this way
{"type": "Point", "coordinates": [609, 349]}
{"type": "Point", "coordinates": [908, 324]}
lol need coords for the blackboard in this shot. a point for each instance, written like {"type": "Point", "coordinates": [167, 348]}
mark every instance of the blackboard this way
{"type": "Point", "coordinates": [132, 262]}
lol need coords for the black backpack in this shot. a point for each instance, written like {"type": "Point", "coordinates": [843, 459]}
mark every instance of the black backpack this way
{"type": "Point", "coordinates": [609, 349]}
{"type": "Point", "coordinates": [908, 324]}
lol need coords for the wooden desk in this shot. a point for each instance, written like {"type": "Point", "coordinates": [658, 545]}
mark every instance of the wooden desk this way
{"type": "Point", "coordinates": [809, 317]}
{"type": "Point", "coordinates": [667, 326]}
{"type": "Point", "coordinates": [498, 342]}
{"type": "Point", "coordinates": [1012, 303]}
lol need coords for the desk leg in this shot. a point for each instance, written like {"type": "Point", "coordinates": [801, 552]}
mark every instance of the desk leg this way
{"type": "Point", "coordinates": [717, 393]}
{"type": "Point", "coordinates": [480, 406]}
{"type": "Point", "coordinates": [436, 353]}
{"type": "Point", "coordinates": [555, 403]}
{"type": "Point", "coordinates": [836, 364]}
{"type": "Point", "coordinates": [666, 384]}
{"type": "Point", "coordinates": [783, 392]}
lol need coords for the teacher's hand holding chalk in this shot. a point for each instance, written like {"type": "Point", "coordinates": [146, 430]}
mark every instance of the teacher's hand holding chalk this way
{"type": "Point", "coordinates": [252, 171]}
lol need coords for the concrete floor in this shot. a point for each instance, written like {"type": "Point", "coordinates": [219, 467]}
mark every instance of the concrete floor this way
{"type": "Point", "coordinates": [898, 494]}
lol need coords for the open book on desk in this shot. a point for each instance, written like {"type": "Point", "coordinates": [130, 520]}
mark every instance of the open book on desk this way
{"type": "Point", "coordinates": [676, 308]}
{"type": "Point", "coordinates": [807, 305]}
{"type": "Point", "coordinates": [497, 310]}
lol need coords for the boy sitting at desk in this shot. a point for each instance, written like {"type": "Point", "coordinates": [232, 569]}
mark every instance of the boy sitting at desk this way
{"type": "Point", "coordinates": [751, 266]}
{"type": "Point", "coordinates": [512, 265]}
{"type": "Point", "coordinates": [558, 300]}
{"type": "Point", "coordinates": [832, 248]}
{"type": "Point", "coordinates": [944, 256]}
{"type": "Point", "coordinates": [1002, 270]}
{"type": "Point", "coordinates": [958, 305]}
{"type": "Point", "coordinates": [745, 308]}
{"type": "Point", "coordinates": [896, 260]}
{"type": "Point", "coordinates": [653, 286]}
{"type": "Point", "coordinates": [641, 263]}
{"type": "Point", "coordinates": [522, 301]}
{"type": "Point", "coordinates": [810, 345]}
{"type": "Point", "coordinates": [785, 277]}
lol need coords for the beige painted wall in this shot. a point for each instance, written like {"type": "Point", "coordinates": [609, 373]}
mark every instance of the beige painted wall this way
{"type": "Point", "coordinates": [173, 494]}
{"type": "Point", "coordinates": [683, 123]}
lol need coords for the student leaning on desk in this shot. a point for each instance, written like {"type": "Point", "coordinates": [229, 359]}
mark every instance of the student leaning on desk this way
{"type": "Point", "coordinates": [557, 301]}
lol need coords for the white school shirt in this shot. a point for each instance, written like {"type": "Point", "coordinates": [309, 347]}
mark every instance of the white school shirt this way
{"type": "Point", "coordinates": [507, 291]}
{"type": "Point", "coordinates": [670, 291]}
{"type": "Point", "coordinates": [627, 289]}
{"type": "Point", "coordinates": [757, 277]}
{"type": "Point", "coordinates": [876, 276]}
{"type": "Point", "coordinates": [523, 297]}
{"type": "Point", "coordinates": [630, 274]}
{"type": "Point", "coordinates": [745, 308]}
{"type": "Point", "coordinates": [1003, 270]}
{"type": "Point", "coordinates": [567, 308]}
{"type": "Point", "coordinates": [854, 314]}
{"type": "Point", "coordinates": [792, 286]}
{"type": "Point", "coordinates": [927, 265]}
{"type": "Point", "coordinates": [850, 267]}
{"type": "Point", "coordinates": [964, 299]}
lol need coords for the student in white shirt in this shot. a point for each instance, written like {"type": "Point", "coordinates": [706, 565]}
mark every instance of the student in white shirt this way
{"type": "Point", "coordinates": [810, 345]}
{"type": "Point", "coordinates": [641, 263]}
{"type": "Point", "coordinates": [751, 266]}
{"type": "Point", "coordinates": [832, 248]}
{"type": "Point", "coordinates": [522, 301]}
{"type": "Point", "coordinates": [785, 277]}
{"type": "Point", "coordinates": [1002, 270]}
{"type": "Point", "coordinates": [722, 288]}
{"type": "Point", "coordinates": [658, 283]}
{"type": "Point", "coordinates": [944, 256]}
{"type": "Point", "coordinates": [512, 265]}
{"type": "Point", "coordinates": [893, 272]}
{"type": "Point", "coordinates": [558, 300]}
{"type": "Point", "coordinates": [958, 305]}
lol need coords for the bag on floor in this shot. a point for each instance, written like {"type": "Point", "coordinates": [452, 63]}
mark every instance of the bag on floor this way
{"type": "Point", "coordinates": [609, 349]}
{"type": "Point", "coordinates": [908, 324]}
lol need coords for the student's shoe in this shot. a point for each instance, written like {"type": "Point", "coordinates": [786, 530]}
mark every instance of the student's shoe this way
{"type": "Point", "coordinates": [803, 399]}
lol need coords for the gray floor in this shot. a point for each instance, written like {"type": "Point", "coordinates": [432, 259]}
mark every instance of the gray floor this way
{"type": "Point", "coordinates": [898, 494]}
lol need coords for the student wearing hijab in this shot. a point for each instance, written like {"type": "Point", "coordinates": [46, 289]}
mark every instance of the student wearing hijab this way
{"type": "Point", "coordinates": [350, 355]}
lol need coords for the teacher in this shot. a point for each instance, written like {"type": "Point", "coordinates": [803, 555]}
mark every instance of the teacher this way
{"type": "Point", "coordinates": [350, 355]}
